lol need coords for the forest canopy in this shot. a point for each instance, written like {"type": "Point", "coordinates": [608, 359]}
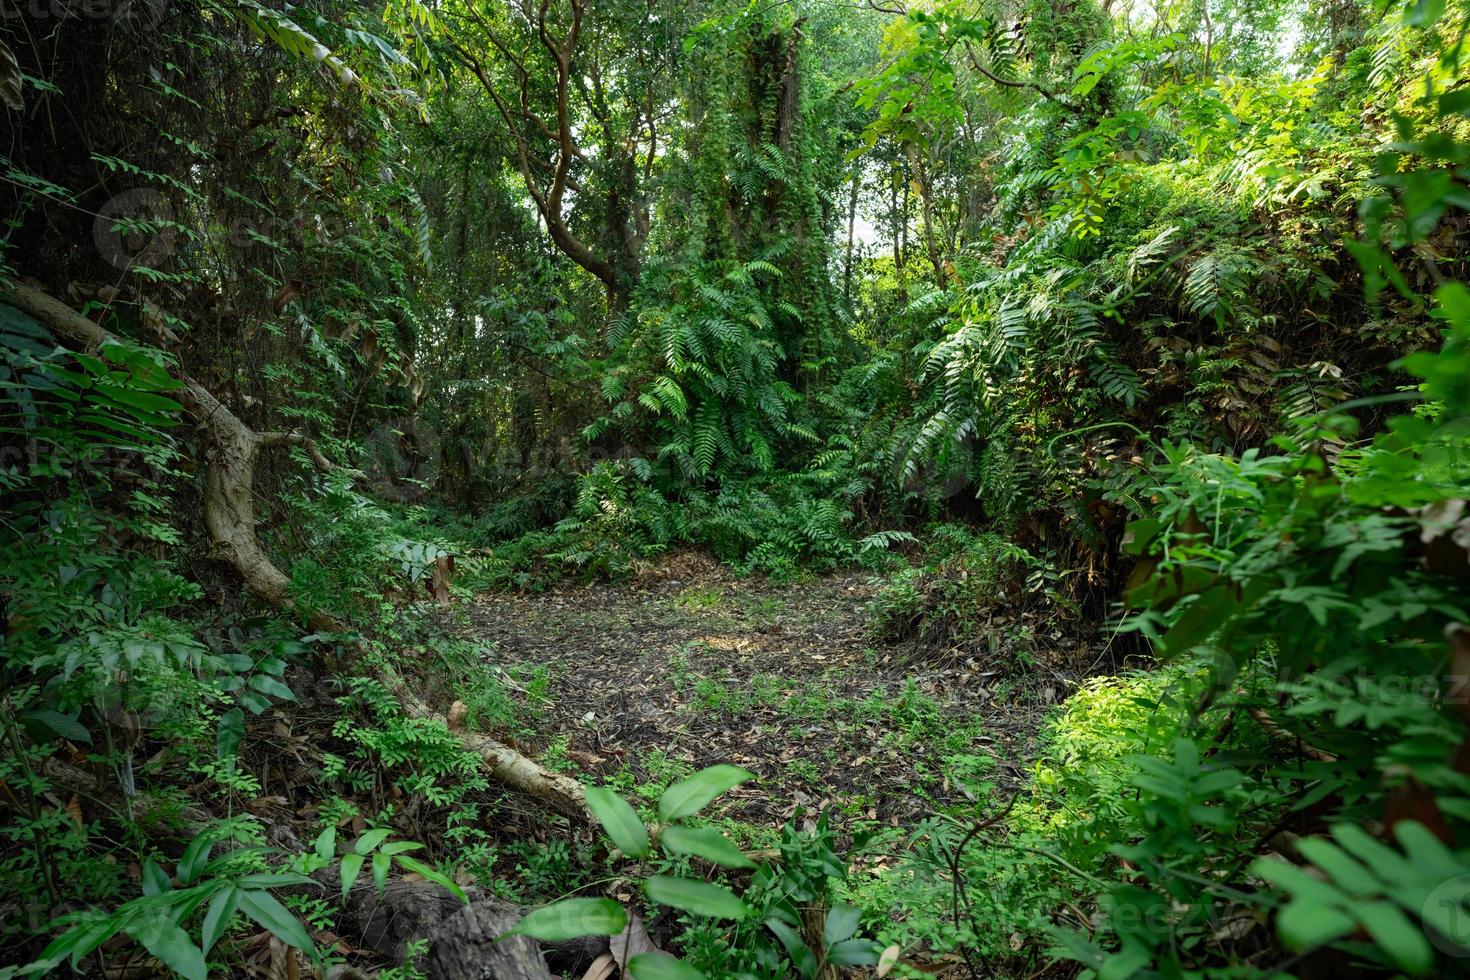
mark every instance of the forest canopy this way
{"type": "Point", "coordinates": [797, 488]}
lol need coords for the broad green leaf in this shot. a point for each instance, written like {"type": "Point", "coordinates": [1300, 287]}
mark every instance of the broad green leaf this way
{"type": "Point", "coordinates": [661, 966]}
{"type": "Point", "coordinates": [1296, 881]}
{"type": "Point", "coordinates": [1207, 613]}
{"type": "Point", "coordinates": [698, 897]}
{"type": "Point", "coordinates": [854, 952]}
{"type": "Point", "coordinates": [1346, 873]}
{"type": "Point", "coordinates": [842, 924]}
{"type": "Point", "coordinates": [273, 917]}
{"type": "Point", "coordinates": [619, 820]}
{"type": "Point", "coordinates": [196, 856]}
{"type": "Point", "coordinates": [76, 942]}
{"type": "Point", "coordinates": [1423, 847]}
{"type": "Point", "coordinates": [572, 918]}
{"type": "Point", "coordinates": [351, 868]}
{"type": "Point", "coordinates": [266, 684]}
{"type": "Point", "coordinates": [370, 840]}
{"type": "Point", "coordinates": [231, 733]}
{"type": "Point", "coordinates": [1304, 924]}
{"type": "Point", "coordinates": [796, 948]}
{"type": "Point", "coordinates": [687, 798]}
{"type": "Point", "coordinates": [429, 874]}
{"type": "Point", "coordinates": [273, 879]}
{"type": "Point", "coordinates": [155, 879]}
{"type": "Point", "coordinates": [142, 400]}
{"type": "Point", "coordinates": [58, 724]}
{"type": "Point", "coordinates": [381, 863]}
{"type": "Point", "coordinates": [217, 920]}
{"type": "Point", "coordinates": [326, 844]}
{"type": "Point", "coordinates": [1403, 941]}
{"type": "Point", "coordinates": [707, 843]}
{"type": "Point", "coordinates": [171, 945]}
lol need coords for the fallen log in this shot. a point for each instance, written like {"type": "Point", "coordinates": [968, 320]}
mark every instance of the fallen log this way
{"type": "Point", "coordinates": [231, 450]}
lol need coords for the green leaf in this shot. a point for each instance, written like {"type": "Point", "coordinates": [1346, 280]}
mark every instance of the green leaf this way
{"type": "Point", "coordinates": [1456, 101]}
{"type": "Point", "coordinates": [326, 844]}
{"type": "Point", "coordinates": [1296, 881]}
{"type": "Point", "coordinates": [429, 874]}
{"type": "Point", "coordinates": [619, 820]}
{"type": "Point", "coordinates": [170, 944]}
{"type": "Point", "coordinates": [381, 863]}
{"type": "Point", "coordinates": [571, 919]}
{"type": "Point", "coordinates": [1403, 941]}
{"type": "Point", "coordinates": [698, 897]}
{"type": "Point", "coordinates": [351, 868]}
{"type": "Point", "coordinates": [661, 966]}
{"type": "Point", "coordinates": [1304, 925]}
{"type": "Point", "coordinates": [155, 880]}
{"type": "Point", "coordinates": [842, 924]}
{"type": "Point", "coordinates": [217, 920]}
{"type": "Point", "coordinates": [687, 798]}
{"type": "Point", "coordinates": [273, 879]}
{"type": "Point", "coordinates": [231, 733]}
{"type": "Point", "coordinates": [854, 952]}
{"type": "Point", "coordinates": [1346, 873]}
{"type": "Point", "coordinates": [143, 401]}
{"type": "Point", "coordinates": [1422, 846]}
{"type": "Point", "coordinates": [57, 724]}
{"type": "Point", "coordinates": [273, 917]}
{"type": "Point", "coordinates": [76, 942]}
{"type": "Point", "coordinates": [370, 840]}
{"type": "Point", "coordinates": [706, 843]}
{"type": "Point", "coordinates": [796, 948]}
{"type": "Point", "coordinates": [1207, 613]}
{"type": "Point", "coordinates": [266, 684]}
{"type": "Point", "coordinates": [196, 856]}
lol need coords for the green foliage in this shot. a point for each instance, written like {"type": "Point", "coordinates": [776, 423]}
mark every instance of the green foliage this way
{"type": "Point", "coordinates": [1299, 588]}
{"type": "Point", "coordinates": [780, 525]}
{"type": "Point", "coordinates": [229, 885]}
{"type": "Point", "coordinates": [777, 896]}
{"type": "Point", "coordinates": [964, 579]}
{"type": "Point", "coordinates": [1064, 283]}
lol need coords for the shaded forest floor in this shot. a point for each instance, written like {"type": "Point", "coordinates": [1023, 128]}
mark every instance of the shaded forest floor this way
{"type": "Point", "coordinates": [641, 682]}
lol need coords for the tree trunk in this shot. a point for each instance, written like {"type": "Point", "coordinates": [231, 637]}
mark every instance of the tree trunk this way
{"type": "Point", "coordinates": [231, 449]}
{"type": "Point", "coordinates": [852, 205]}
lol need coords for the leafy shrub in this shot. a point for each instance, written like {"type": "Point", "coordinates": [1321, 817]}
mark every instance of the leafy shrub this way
{"type": "Point", "coordinates": [965, 582]}
{"type": "Point", "coordinates": [781, 925]}
{"type": "Point", "coordinates": [782, 525]}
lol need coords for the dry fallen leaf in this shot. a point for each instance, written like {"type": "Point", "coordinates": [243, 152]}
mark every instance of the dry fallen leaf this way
{"type": "Point", "coordinates": [631, 942]}
{"type": "Point", "coordinates": [74, 810]}
{"type": "Point", "coordinates": [602, 968]}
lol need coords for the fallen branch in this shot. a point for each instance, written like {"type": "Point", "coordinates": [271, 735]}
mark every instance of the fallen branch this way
{"type": "Point", "coordinates": [231, 449]}
{"type": "Point", "coordinates": [1271, 728]}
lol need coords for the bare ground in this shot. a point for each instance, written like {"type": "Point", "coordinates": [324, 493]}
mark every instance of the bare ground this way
{"type": "Point", "coordinates": [688, 666]}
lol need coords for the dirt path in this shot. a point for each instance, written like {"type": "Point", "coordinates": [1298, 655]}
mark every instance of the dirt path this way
{"type": "Point", "coordinates": [642, 682]}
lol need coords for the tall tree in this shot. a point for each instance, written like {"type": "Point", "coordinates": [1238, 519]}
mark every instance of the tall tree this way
{"type": "Point", "coordinates": [578, 90]}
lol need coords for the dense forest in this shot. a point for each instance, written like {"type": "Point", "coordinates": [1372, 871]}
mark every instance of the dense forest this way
{"type": "Point", "coordinates": [786, 488]}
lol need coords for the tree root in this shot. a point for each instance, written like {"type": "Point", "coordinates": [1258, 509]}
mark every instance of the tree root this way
{"type": "Point", "coordinates": [231, 449]}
